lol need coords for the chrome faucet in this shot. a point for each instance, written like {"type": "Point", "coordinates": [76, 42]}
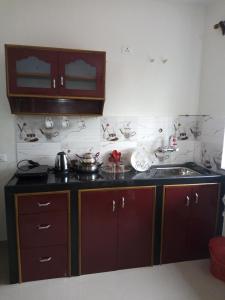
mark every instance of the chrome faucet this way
{"type": "Point", "coordinates": [166, 149]}
{"type": "Point", "coordinates": [172, 147]}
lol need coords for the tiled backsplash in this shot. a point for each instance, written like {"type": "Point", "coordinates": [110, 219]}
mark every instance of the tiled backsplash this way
{"type": "Point", "coordinates": [199, 139]}
{"type": "Point", "coordinates": [209, 150]}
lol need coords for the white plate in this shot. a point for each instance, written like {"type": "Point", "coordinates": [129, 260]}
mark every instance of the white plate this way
{"type": "Point", "coordinates": [140, 160]}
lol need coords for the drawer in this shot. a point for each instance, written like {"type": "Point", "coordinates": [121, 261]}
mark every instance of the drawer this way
{"type": "Point", "coordinates": [44, 263]}
{"type": "Point", "coordinates": [42, 202]}
{"type": "Point", "coordinates": [36, 230]}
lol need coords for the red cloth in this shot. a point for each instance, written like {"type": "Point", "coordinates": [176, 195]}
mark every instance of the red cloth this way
{"type": "Point", "coordinates": [217, 249]}
{"type": "Point", "coordinates": [217, 252]}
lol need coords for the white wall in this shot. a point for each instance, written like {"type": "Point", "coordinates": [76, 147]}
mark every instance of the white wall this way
{"type": "Point", "coordinates": [212, 88]}
{"type": "Point", "coordinates": [7, 142]}
{"type": "Point", "coordinates": [134, 86]}
{"type": "Point", "coordinates": [212, 96]}
{"type": "Point", "coordinates": [151, 28]}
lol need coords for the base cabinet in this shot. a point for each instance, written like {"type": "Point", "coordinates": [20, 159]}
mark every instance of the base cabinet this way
{"type": "Point", "coordinates": [80, 231]}
{"type": "Point", "coordinates": [43, 235]}
{"type": "Point", "coordinates": [116, 228]}
{"type": "Point", "coordinates": [189, 220]}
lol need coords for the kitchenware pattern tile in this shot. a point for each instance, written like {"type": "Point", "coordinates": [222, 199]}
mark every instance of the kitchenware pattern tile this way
{"type": "Point", "coordinates": [209, 151]}
{"type": "Point", "coordinates": [114, 129]}
{"type": "Point", "coordinates": [105, 134]}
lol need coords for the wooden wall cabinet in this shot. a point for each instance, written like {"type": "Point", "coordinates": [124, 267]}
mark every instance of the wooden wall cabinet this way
{"type": "Point", "coordinates": [116, 228]}
{"type": "Point", "coordinates": [43, 235]}
{"type": "Point", "coordinates": [189, 220]}
{"type": "Point", "coordinates": [52, 80]}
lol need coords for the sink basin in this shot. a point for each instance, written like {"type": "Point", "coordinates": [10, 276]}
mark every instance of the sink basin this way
{"type": "Point", "coordinates": [174, 171]}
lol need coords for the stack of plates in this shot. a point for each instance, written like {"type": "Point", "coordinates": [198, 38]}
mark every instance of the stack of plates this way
{"type": "Point", "coordinates": [140, 160]}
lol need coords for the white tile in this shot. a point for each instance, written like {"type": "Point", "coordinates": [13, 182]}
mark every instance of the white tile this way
{"type": "Point", "coordinates": [43, 153]}
{"type": "Point", "coordinates": [181, 281]}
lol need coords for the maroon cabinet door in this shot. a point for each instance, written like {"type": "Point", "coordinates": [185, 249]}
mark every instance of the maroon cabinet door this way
{"type": "Point", "coordinates": [98, 231]}
{"type": "Point", "coordinates": [37, 230]}
{"type": "Point", "coordinates": [116, 228]}
{"type": "Point", "coordinates": [82, 74]}
{"type": "Point", "coordinates": [175, 223]}
{"type": "Point", "coordinates": [31, 71]}
{"type": "Point", "coordinates": [42, 202]}
{"type": "Point", "coordinates": [203, 219]}
{"type": "Point", "coordinates": [189, 221]}
{"type": "Point", "coordinates": [135, 227]}
{"type": "Point", "coordinates": [44, 263]}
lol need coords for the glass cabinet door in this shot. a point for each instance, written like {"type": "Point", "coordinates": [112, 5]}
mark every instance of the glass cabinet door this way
{"type": "Point", "coordinates": [82, 74]}
{"type": "Point", "coordinates": [32, 71]}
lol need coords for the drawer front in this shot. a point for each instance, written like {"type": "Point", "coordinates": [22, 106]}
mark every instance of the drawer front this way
{"type": "Point", "coordinates": [42, 202]}
{"type": "Point", "coordinates": [44, 263]}
{"type": "Point", "coordinates": [44, 229]}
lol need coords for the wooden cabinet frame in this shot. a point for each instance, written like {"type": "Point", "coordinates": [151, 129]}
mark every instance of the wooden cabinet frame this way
{"type": "Point", "coordinates": [30, 100]}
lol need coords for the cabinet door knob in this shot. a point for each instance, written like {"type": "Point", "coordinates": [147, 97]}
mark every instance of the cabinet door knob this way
{"type": "Point", "coordinates": [44, 204]}
{"type": "Point", "coordinates": [123, 202]}
{"type": "Point", "coordinates": [54, 83]}
{"type": "Point", "coordinates": [61, 81]}
{"type": "Point", "coordinates": [187, 201]}
{"type": "Point", "coordinates": [44, 226]}
{"type": "Point", "coordinates": [196, 198]}
{"type": "Point", "coordinates": [45, 259]}
{"type": "Point", "coordinates": [113, 205]}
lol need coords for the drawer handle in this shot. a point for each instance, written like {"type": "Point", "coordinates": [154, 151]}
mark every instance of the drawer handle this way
{"type": "Point", "coordinates": [44, 204]}
{"type": "Point", "coordinates": [54, 83]}
{"type": "Point", "coordinates": [188, 201]}
{"type": "Point", "coordinates": [113, 205]}
{"type": "Point", "coordinates": [44, 226]}
{"type": "Point", "coordinates": [61, 80]}
{"type": "Point", "coordinates": [196, 198]}
{"type": "Point", "coordinates": [45, 259]}
{"type": "Point", "coordinates": [123, 202]}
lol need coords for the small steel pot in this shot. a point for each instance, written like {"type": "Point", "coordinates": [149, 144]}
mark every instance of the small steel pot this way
{"type": "Point", "coordinates": [88, 158]}
{"type": "Point", "coordinates": [87, 168]}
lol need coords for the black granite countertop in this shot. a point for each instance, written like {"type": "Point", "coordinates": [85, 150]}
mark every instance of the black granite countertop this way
{"type": "Point", "coordinates": [101, 179]}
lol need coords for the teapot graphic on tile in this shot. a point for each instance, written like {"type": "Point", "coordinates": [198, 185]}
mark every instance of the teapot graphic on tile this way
{"type": "Point", "coordinates": [195, 131]}
{"type": "Point", "coordinates": [48, 133]}
{"type": "Point", "coordinates": [109, 133]}
{"type": "Point", "coordinates": [127, 132]}
{"type": "Point", "coordinates": [181, 132]}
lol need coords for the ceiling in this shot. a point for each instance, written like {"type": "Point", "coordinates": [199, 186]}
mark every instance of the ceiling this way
{"type": "Point", "coordinates": [192, 1]}
{"type": "Point", "coordinates": [198, 1]}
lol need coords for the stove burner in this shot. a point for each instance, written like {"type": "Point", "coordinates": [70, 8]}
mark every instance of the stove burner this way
{"type": "Point", "coordinates": [87, 177]}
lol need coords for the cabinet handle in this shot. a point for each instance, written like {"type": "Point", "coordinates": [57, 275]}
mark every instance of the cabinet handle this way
{"type": "Point", "coordinates": [123, 202]}
{"type": "Point", "coordinates": [53, 83]}
{"type": "Point", "coordinates": [188, 201]}
{"type": "Point", "coordinates": [61, 80]}
{"type": "Point", "coordinates": [44, 226]}
{"type": "Point", "coordinates": [196, 198]}
{"type": "Point", "coordinates": [45, 259]}
{"type": "Point", "coordinates": [113, 205]}
{"type": "Point", "coordinates": [44, 204]}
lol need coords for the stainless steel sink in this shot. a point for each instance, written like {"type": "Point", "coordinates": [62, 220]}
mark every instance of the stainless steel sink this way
{"type": "Point", "coordinates": [174, 171]}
